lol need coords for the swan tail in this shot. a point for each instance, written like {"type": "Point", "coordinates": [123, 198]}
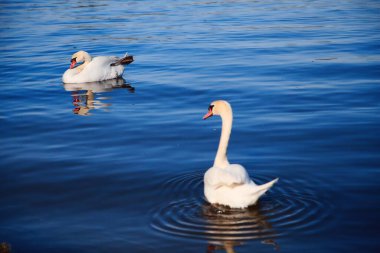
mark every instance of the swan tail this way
{"type": "Point", "coordinates": [261, 189]}
{"type": "Point", "coordinates": [127, 59]}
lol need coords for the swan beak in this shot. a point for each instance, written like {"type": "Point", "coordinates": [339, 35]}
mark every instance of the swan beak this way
{"type": "Point", "coordinates": [73, 62]}
{"type": "Point", "coordinates": [208, 114]}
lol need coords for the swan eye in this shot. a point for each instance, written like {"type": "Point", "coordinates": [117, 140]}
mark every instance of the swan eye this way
{"type": "Point", "coordinates": [210, 107]}
{"type": "Point", "coordinates": [74, 59]}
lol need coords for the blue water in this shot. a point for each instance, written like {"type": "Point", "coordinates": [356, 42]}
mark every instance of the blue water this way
{"type": "Point", "coordinates": [117, 166]}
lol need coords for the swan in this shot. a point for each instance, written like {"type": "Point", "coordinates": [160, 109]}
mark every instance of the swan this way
{"type": "Point", "coordinates": [95, 69]}
{"type": "Point", "coordinates": [224, 183]}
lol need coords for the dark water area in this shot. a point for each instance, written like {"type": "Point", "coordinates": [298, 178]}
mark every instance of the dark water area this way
{"type": "Point", "coordinates": [118, 166]}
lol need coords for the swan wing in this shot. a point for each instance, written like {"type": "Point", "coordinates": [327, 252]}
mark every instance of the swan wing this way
{"type": "Point", "coordinates": [231, 176]}
{"type": "Point", "coordinates": [104, 61]}
{"type": "Point", "coordinates": [100, 69]}
{"type": "Point", "coordinates": [127, 59]}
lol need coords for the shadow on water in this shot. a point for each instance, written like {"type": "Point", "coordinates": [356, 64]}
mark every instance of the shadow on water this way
{"type": "Point", "coordinates": [287, 209]}
{"type": "Point", "coordinates": [223, 228]}
{"type": "Point", "coordinates": [83, 94]}
{"type": "Point", "coordinates": [5, 247]}
{"type": "Point", "coordinates": [236, 225]}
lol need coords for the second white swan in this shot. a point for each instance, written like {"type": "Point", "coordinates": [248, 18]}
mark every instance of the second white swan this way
{"type": "Point", "coordinates": [225, 183]}
{"type": "Point", "coordinates": [95, 69]}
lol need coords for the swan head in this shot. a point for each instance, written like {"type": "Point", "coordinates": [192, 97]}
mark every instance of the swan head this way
{"type": "Point", "coordinates": [218, 107]}
{"type": "Point", "coordinates": [78, 57]}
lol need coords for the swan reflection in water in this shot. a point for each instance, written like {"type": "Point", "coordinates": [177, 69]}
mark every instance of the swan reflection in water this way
{"type": "Point", "coordinates": [229, 227]}
{"type": "Point", "coordinates": [83, 94]}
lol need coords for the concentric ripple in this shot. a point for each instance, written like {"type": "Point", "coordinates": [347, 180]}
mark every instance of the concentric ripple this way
{"type": "Point", "coordinates": [290, 207]}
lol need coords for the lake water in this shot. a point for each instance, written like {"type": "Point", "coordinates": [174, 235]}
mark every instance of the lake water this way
{"type": "Point", "coordinates": [117, 166]}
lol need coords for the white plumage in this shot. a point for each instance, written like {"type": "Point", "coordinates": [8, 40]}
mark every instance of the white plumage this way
{"type": "Point", "coordinates": [225, 183]}
{"type": "Point", "coordinates": [95, 69]}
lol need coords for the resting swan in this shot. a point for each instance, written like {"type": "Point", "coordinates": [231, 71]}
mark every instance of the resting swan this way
{"type": "Point", "coordinates": [225, 183]}
{"type": "Point", "coordinates": [95, 69]}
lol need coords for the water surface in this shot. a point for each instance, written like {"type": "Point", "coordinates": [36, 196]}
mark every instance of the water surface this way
{"type": "Point", "coordinates": [117, 166]}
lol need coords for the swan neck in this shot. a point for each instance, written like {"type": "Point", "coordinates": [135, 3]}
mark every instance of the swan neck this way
{"type": "Point", "coordinates": [87, 57]}
{"type": "Point", "coordinates": [221, 160]}
{"type": "Point", "coordinates": [86, 60]}
{"type": "Point", "coordinates": [82, 66]}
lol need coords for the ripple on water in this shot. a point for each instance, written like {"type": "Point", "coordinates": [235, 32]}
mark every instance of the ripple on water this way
{"type": "Point", "coordinates": [290, 207]}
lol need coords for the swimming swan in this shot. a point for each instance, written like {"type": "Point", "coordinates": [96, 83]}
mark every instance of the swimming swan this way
{"type": "Point", "coordinates": [225, 183]}
{"type": "Point", "coordinates": [95, 69]}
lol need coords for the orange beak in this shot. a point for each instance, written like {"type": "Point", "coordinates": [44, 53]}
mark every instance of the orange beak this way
{"type": "Point", "coordinates": [73, 62]}
{"type": "Point", "coordinates": [208, 114]}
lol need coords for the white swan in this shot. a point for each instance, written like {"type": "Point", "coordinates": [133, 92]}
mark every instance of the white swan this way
{"type": "Point", "coordinates": [95, 69]}
{"type": "Point", "coordinates": [225, 183]}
